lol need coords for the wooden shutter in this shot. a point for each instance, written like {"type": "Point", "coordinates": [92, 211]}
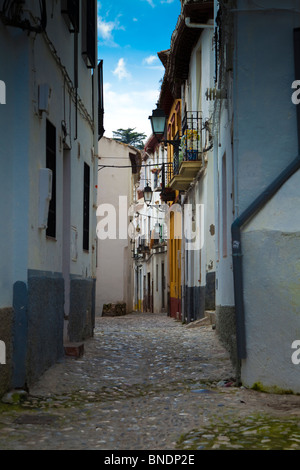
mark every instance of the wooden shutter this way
{"type": "Point", "coordinates": [51, 164]}
{"type": "Point", "coordinates": [89, 32]}
{"type": "Point", "coordinates": [100, 101]}
{"type": "Point", "coordinates": [86, 207]}
{"type": "Point", "coordinates": [70, 11]}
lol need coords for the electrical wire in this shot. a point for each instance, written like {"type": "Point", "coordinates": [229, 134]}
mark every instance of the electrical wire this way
{"type": "Point", "coordinates": [101, 167]}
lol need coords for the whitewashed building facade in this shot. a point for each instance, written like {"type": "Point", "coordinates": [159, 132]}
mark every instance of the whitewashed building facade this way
{"type": "Point", "coordinates": [150, 244]}
{"type": "Point", "coordinates": [257, 162]}
{"type": "Point", "coordinates": [48, 173]}
{"type": "Point", "coordinates": [119, 169]}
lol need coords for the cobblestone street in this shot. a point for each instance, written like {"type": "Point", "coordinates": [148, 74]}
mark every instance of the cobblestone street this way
{"type": "Point", "coordinates": [147, 382]}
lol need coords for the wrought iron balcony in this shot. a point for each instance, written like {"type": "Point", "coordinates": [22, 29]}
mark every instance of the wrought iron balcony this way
{"type": "Point", "coordinates": [188, 161]}
{"type": "Point", "coordinates": [143, 246]}
{"type": "Point", "coordinates": [188, 157]}
{"type": "Point", "coordinates": [167, 171]}
{"type": "Point", "coordinates": [192, 136]}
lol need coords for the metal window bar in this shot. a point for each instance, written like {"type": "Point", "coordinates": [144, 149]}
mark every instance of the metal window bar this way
{"type": "Point", "coordinates": [166, 174]}
{"type": "Point", "coordinates": [192, 136]}
{"type": "Point", "coordinates": [176, 162]}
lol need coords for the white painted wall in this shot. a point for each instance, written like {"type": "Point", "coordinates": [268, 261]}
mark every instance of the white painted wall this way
{"type": "Point", "coordinates": [27, 62]}
{"type": "Point", "coordinates": [224, 271]}
{"type": "Point", "coordinates": [14, 130]}
{"type": "Point", "coordinates": [114, 265]}
{"type": "Point", "coordinates": [46, 254]}
{"type": "Point", "coordinates": [201, 74]}
{"type": "Point", "coordinates": [263, 147]}
{"type": "Point", "coordinates": [149, 217]}
{"type": "Point", "coordinates": [271, 248]}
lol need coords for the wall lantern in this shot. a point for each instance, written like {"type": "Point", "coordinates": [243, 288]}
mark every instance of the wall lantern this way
{"type": "Point", "coordinates": [158, 123]}
{"type": "Point", "coordinates": [148, 195]}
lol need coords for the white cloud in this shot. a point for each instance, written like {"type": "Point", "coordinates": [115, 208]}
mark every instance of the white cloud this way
{"type": "Point", "coordinates": [149, 60]}
{"type": "Point", "coordinates": [106, 29]}
{"type": "Point", "coordinates": [150, 3]}
{"type": "Point", "coordinates": [150, 63]}
{"type": "Point", "coordinates": [128, 109]}
{"type": "Point", "coordinates": [121, 71]}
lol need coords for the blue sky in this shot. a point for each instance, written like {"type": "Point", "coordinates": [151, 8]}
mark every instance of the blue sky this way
{"type": "Point", "coordinates": [130, 33]}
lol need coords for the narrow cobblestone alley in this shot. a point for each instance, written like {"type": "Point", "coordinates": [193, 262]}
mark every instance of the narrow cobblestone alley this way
{"type": "Point", "coordinates": [147, 382]}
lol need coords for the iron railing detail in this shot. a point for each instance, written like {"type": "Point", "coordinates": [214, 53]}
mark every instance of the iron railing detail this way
{"type": "Point", "coordinates": [190, 146]}
{"type": "Point", "coordinates": [192, 136]}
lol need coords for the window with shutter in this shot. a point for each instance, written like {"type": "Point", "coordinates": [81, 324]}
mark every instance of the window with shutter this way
{"type": "Point", "coordinates": [100, 101]}
{"type": "Point", "coordinates": [70, 11]}
{"type": "Point", "coordinates": [86, 207]}
{"type": "Point", "coordinates": [51, 164]}
{"type": "Point", "coordinates": [89, 33]}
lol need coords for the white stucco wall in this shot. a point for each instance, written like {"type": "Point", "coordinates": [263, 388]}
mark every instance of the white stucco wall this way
{"type": "Point", "coordinates": [224, 270]}
{"type": "Point", "coordinates": [264, 145]}
{"type": "Point", "coordinates": [14, 129]}
{"type": "Point", "coordinates": [114, 266]}
{"type": "Point", "coordinates": [27, 62]}
{"type": "Point", "coordinates": [201, 74]}
{"type": "Point", "coordinates": [46, 254]}
{"type": "Point", "coordinates": [271, 251]}
{"type": "Point", "coordinates": [264, 73]}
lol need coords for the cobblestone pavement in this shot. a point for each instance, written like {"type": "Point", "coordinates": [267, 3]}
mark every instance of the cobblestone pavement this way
{"type": "Point", "coordinates": [147, 382]}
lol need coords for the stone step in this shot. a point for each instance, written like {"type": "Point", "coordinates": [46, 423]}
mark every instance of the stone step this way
{"type": "Point", "coordinates": [207, 320]}
{"type": "Point", "coordinates": [74, 349]}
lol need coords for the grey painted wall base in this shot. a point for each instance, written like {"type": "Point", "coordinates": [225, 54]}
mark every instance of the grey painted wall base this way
{"type": "Point", "coordinates": [194, 307]}
{"type": "Point", "coordinates": [82, 309]}
{"type": "Point", "coordinates": [210, 291]}
{"type": "Point", "coordinates": [20, 331]}
{"type": "Point", "coordinates": [45, 325]}
{"type": "Point", "coordinates": [199, 299]}
{"type": "Point", "coordinates": [6, 325]}
{"type": "Point", "coordinates": [226, 330]}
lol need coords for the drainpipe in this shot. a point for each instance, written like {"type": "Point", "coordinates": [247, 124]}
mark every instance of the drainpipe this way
{"type": "Point", "coordinates": [189, 24]}
{"type": "Point", "coordinates": [236, 228]}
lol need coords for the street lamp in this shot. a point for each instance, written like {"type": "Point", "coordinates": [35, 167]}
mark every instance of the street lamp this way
{"type": "Point", "coordinates": [148, 195]}
{"type": "Point", "coordinates": [158, 123]}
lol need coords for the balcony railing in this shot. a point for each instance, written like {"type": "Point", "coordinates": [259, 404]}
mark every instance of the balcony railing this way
{"type": "Point", "coordinates": [143, 246]}
{"type": "Point", "coordinates": [192, 137]}
{"type": "Point", "coordinates": [188, 158]}
{"type": "Point", "coordinates": [167, 173]}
